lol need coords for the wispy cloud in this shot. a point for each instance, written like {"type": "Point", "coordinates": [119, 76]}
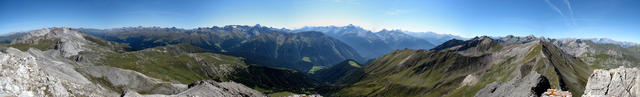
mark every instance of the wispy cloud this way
{"type": "Point", "coordinates": [569, 12]}
{"type": "Point", "coordinates": [568, 3]}
{"type": "Point", "coordinates": [554, 7]}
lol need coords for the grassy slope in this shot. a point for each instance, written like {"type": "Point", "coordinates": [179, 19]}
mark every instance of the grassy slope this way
{"type": "Point", "coordinates": [175, 63]}
{"type": "Point", "coordinates": [434, 73]}
{"type": "Point", "coordinates": [570, 72]}
{"type": "Point", "coordinates": [342, 73]}
{"type": "Point", "coordinates": [41, 43]}
{"type": "Point", "coordinates": [425, 73]}
{"type": "Point", "coordinates": [181, 67]}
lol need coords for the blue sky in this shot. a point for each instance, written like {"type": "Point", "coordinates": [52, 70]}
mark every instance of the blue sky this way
{"type": "Point", "coordinates": [616, 19]}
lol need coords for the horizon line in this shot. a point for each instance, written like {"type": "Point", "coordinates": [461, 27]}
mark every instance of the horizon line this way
{"type": "Point", "coordinates": [404, 31]}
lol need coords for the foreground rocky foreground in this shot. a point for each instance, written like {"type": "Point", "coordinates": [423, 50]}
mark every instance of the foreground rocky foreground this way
{"type": "Point", "coordinates": [620, 82]}
{"type": "Point", "coordinates": [22, 74]}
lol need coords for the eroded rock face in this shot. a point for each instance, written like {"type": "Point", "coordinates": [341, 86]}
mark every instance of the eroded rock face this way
{"type": "Point", "coordinates": [620, 82]}
{"type": "Point", "coordinates": [208, 88]}
{"type": "Point", "coordinates": [533, 84]}
{"type": "Point", "coordinates": [22, 75]}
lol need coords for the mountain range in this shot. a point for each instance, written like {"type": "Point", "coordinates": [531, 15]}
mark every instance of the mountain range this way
{"type": "Point", "coordinates": [374, 44]}
{"type": "Point", "coordinates": [259, 45]}
{"type": "Point", "coordinates": [611, 41]}
{"type": "Point", "coordinates": [347, 61]}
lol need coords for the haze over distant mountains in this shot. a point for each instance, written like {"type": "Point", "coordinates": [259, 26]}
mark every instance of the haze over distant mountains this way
{"type": "Point", "coordinates": [374, 44]}
{"type": "Point", "coordinates": [611, 41]}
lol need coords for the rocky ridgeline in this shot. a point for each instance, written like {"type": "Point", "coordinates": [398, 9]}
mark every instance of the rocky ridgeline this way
{"type": "Point", "coordinates": [69, 42]}
{"type": "Point", "coordinates": [620, 82]}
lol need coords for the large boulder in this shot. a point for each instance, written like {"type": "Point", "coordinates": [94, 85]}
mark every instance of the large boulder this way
{"type": "Point", "coordinates": [533, 84]}
{"type": "Point", "coordinates": [619, 82]}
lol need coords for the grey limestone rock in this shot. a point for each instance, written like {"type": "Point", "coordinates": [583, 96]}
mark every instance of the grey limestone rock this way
{"type": "Point", "coordinates": [208, 88]}
{"type": "Point", "coordinates": [620, 82]}
{"type": "Point", "coordinates": [533, 84]}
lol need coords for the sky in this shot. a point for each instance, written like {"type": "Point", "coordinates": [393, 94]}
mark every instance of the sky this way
{"type": "Point", "coordinates": [615, 19]}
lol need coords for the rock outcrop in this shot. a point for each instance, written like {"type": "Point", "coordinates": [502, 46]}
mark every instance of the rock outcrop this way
{"type": "Point", "coordinates": [620, 82]}
{"type": "Point", "coordinates": [22, 75]}
{"type": "Point", "coordinates": [208, 88]}
{"type": "Point", "coordinates": [129, 79]}
{"type": "Point", "coordinates": [533, 84]}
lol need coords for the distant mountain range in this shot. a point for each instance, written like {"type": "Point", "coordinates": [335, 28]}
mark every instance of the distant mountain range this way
{"type": "Point", "coordinates": [435, 38]}
{"type": "Point", "coordinates": [237, 60]}
{"type": "Point", "coordinates": [611, 41]}
{"type": "Point", "coordinates": [260, 45]}
{"type": "Point", "coordinates": [374, 44]}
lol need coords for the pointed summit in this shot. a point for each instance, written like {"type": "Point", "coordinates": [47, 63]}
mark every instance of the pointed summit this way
{"type": "Point", "coordinates": [384, 30]}
{"type": "Point", "coordinates": [482, 43]}
{"type": "Point", "coordinates": [351, 25]}
{"type": "Point", "coordinates": [531, 36]}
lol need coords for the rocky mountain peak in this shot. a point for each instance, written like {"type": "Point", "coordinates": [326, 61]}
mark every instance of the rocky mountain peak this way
{"type": "Point", "coordinates": [531, 36]}
{"type": "Point", "coordinates": [50, 33]}
{"type": "Point", "coordinates": [312, 34]}
{"type": "Point", "coordinates": [482, 43]}
{"type": "Point", "coordinates": [68, 41]}
{"type": "Point", "coordinates": [351, 26]}
{"type": "Point", "coordinates": [450, 43]}
{"type": "Point", "coordinates": [481, 38]}
{"type": "Point", "coordinates": [510, 39]}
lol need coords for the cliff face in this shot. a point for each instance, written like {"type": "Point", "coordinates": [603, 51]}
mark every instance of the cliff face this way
{"type": "Point", "coordinates": [620, 82]}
